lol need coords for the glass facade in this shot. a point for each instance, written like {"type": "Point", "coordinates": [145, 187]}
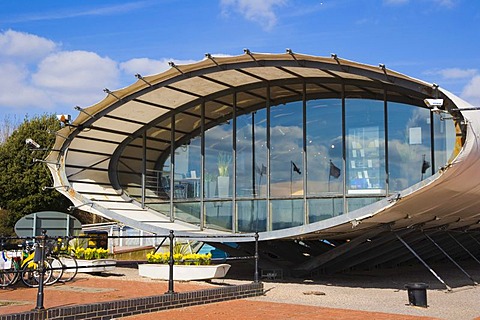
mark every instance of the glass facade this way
{"type": "Point", "coordinates": [280, 166]}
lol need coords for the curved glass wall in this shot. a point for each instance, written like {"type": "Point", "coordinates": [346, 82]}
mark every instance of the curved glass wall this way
{"type": "Point", "coordinates": [284, 165]}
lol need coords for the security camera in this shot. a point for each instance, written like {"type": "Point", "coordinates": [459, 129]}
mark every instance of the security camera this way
{"type": "Point", "coordinates": [32, 144]}
{"type": "Point", "coordinates": [432, 103]}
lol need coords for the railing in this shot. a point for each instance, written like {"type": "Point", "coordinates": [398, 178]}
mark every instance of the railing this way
{"type": "Point", "coordinates": [41, 246]}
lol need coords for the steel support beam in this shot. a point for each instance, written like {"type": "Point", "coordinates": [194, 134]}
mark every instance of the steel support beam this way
{"type": "Point", "coordinates": [450, 258]}
{"type": "Point", "coordinates": [423, 262]}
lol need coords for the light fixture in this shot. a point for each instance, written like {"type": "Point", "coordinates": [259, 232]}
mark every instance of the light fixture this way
{"type": "Point", "coordinates": [32, 144]}
{"type": "Point", "coordinates": [173, 65]}
{"type": "Point", "coordinates": [71, 208]}
{"type": "Point", "coordinates": [139, 77]}
{"type": "Point", "coordinates": [434, 104]}
{"type": "Point", "coordinates": [57, 187]}
{"type": "Point", "coordinates": [107, 91]}
{"type": "Point", "coordinates": [334, 56]}
{"type": "Point", "coordinates": [382, 66]}
{"type": "Point", "coordinates": [210, 57]}
{"type": "Point", "coordinates": [79, 109]}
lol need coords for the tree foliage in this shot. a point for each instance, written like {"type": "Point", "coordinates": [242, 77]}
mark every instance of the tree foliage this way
{"type": "Point", "coordinates": [22, 179]}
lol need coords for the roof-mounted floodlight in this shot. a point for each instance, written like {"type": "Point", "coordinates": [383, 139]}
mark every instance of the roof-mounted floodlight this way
{"type": "Point", "coordinates": [382, 66]}
{"type": "Point", "coordinates": [80, 109]}
{"type": "Point", "coordinates": [107, 91]}
{"type": "Point", "coordinates": [139, 77]}
{"type": "Point", "coordinates": [434, 104]}
{"type": "Point", "coordinates": [289, 51]}
{"type": "Point", "coordinates": [173, 65]}
{"type": "Point", "coordinates": [247, 51]}
{"type": "Point", "coordinates": [334, 56]}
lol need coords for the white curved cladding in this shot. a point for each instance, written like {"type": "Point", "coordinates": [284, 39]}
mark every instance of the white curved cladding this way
{"type": "Point", "coordinates": [447, 197]}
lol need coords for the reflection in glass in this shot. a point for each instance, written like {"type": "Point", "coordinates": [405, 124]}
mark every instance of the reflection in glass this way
{"type": "Point", "coordinates": [188, 212]}
{"type": "Point", "coordinates": [358, 203]}
{"type": "Point", "coordinates": [409, 145]}
{"type": "Point", "coordinates": [444, 133]}
{"type": "Point", "coordinates": [218, 161]}
{"type": "Point", "coordinates": [286, 135]}
{"type": "Point", "coordinates": [365, 141]}
{"type": "Point", "coordinates": [252, 215]}
{"type": "Point", "coordinates": [324, 147]}
{"type": "Point", "coordinates": [218, 215]}
{"type": "Point", "coordinates": [287, 213]}
{"type": "Point", "coordinates": [363, 169]}
{"type": "Point", "coordinates": [321, 209]}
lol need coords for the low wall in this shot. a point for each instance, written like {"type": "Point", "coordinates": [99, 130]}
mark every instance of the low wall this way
{"type": "Point", "coordinates": [128, 307]}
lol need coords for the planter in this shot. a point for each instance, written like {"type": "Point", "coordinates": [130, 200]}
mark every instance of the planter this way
{"type": "Point", "coordinates": [182, 272]}
{"type": "Point", "coordinates": [223, 186]}
{"type": "Point", "coordinates": [99, 265]}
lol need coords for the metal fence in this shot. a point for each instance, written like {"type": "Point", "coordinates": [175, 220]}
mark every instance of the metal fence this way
{"type": "Point", "coordinates": [42, 245]}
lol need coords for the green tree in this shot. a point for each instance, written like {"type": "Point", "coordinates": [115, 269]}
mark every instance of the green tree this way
{"type": "Point", "coordinates": [22, 179]}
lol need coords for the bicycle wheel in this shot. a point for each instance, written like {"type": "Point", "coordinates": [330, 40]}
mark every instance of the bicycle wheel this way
{"type": "Point", "coordinates": [56, 267]}
{"type": "Point", "coordinates": [7, 277]}
{"type": "Point", "coordinates": [31, 276]}
{"type": "Point", "coordinates": [70, 268]}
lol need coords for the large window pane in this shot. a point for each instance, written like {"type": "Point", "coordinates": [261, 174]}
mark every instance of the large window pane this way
{"type": "Point", "coordinates": [218, 161]}
{"type": "Point", "coordinates": [218, 215]}
{"type": "Point", "coordinates": [321, 209]}
{"type": "Point", "coordinates": [287, 213]}
{"type": "Point", "coordinates": [286, 135]}
{"type": "Point", "coordinates": [409, 145]}
{"type": "Point", "coordinates": [324, 147]}
{"type": "Point", "coordinates": [365, 142]}
{"type": "Point", "coordinates": [444, 133]}
{"type": "Point", "coordinates": [252, 215]}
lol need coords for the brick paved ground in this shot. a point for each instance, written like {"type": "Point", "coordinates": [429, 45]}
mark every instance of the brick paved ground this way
{"type": "Point", "coordinates": [88, 289]}
{"type": "Point", "coordinates": [249, 310]}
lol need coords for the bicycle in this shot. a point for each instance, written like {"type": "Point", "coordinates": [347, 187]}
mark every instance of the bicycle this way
{"type": "Point", "coordinates": [29, 271]}
{"type": "Point", "coordinates": [59, 252]}
{"type": "Point", "coordinates": [9, 265]}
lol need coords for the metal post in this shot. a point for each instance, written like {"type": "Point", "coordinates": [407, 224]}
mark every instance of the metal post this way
{"type": "Point", "coordinates": [422, 261]}
{"type": "Point", "coordinates": [41, 270]}
{"type": "Point", "coordinates": [170, 264]}
{"type": "Point", "coordinates": [450, 258]}
{"type": "Point", "coordinates": [257, 257]}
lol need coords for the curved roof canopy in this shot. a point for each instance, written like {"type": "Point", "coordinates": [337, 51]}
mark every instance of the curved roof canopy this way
{"type": "Point", "coordinates": [87, 151]}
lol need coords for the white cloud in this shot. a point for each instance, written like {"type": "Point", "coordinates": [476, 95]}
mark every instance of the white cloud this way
{"type": "Point", "coordinates": [39, 76]}
{"type": "Point", "coordinates": [76, 77]}
{"type": "Point", "coordinates": [24, 47]}
{"type": "Point", "coordinates": [471, 92]}
{"type": "Point", "coordinates": [146, 66]}
{"type": "Point", "coordinates": [15, 90]}
{"type": "Point", "coordinates": [454, 73]}
{"type": "Point", "coordinates": [261, 12]}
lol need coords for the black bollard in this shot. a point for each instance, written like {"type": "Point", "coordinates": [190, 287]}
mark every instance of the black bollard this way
{"type": "Point", "coordinates": [41, 270]}
{"type": "Point", "coordinates": [170, 264]}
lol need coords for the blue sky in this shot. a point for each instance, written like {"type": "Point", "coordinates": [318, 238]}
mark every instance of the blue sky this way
{"type": "Point", "coordinates": [55, 55]}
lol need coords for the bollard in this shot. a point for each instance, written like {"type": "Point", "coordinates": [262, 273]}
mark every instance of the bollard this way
{"type": "Point", "coordinates": [41, 270]}
{"type": "Point", "coordinates": [257, 257]}
{"type": "Point", "coordinates": [417, 294]}
{"type": "Point", "coordinates": [170, 264]}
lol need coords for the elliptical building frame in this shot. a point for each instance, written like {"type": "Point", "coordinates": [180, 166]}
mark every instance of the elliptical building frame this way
{"type": "Point", "coordinates": [288, 145]}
